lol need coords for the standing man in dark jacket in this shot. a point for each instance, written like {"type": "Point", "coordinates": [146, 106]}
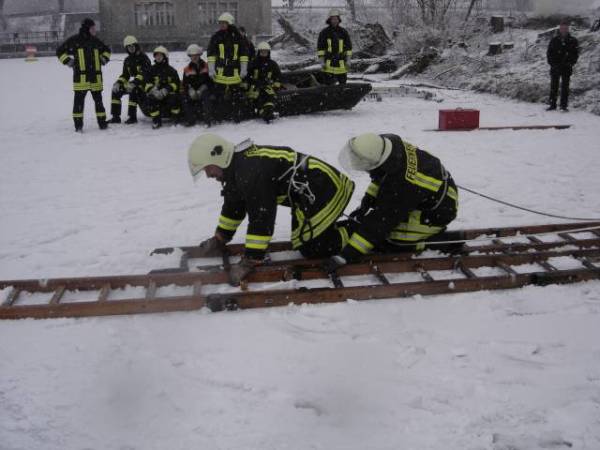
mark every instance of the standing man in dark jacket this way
{"type": "Point", "coordinates": [228, 64]}
{"type": "Point", "coordinates": [334, 50]}
{"type": "Point", "coordinates": [411, 198]}
{"type": "Point", "coordinates": [162, 90]}
{"type": "Point", "coordinates": [85, 54]}
{"type": "Point", "coordinates": [195, 87]}
{"type": "Point", "coordinates": [258, 178]}
{"type": "Point", "coordinates": [563, 52]}
{"type": "Point", "coordinates": [135, 69]}
{"type": "Point", "coordinates": [264, 78]}
{"type": "Point", "coordinates": [249, 44]}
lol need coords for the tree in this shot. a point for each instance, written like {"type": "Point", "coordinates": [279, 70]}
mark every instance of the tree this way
{"type": "Point", "coordinates": [433, 12]}
{"type": "Point", "coordinates": [352, 7]}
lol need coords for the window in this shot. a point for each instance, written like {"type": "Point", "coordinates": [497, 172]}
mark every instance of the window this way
{"type": "Point", "coordinates": [154, 14]}
{"type": "Point", "coordinates": [210, 10]}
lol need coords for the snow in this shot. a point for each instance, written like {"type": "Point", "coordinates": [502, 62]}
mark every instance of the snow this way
{"type": "Point", "coordinates": [496, 370]}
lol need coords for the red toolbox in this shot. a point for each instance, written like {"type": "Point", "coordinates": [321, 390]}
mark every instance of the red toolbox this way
{"type": "Point", "coordinates": [459, 119]}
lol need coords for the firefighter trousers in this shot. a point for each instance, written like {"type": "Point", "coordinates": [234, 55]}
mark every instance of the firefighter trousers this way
{"type": "Point", "coordinates": [78, 105]}
{"type": "Point", "coordinates": [132, 104]}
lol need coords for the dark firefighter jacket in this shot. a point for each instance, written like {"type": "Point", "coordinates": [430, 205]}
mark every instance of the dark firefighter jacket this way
{"type": "Point", "coordinates": [334, 45]}
{"type": "Point", "coordinates": [136, 67]}
{"type": "Point", "coordinates": [195, 76]}
{"type": "Point", "coordinates": [409, 182]}
{"type": "Point", "coordinates": [162, 75]}
{"type": "Point", "coordinates": [85, 50]}
{"type": "Point", "coordinates": [227, 49]}
{"type": "Point", "coordinates": [563, 53]}
{"type": "Point", "coordinates": [258, 179]}
{"type": "Point", "coordinates": [264, 72]}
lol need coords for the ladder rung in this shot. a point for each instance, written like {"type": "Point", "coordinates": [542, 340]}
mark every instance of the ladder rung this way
{"type": "Point", "coordinates": [58, 293]}
{"type": "Point", "coordinates": [12, 297]}
{"type": "Point", "coordinates": [506, 268]}
{"type": "Point", "coordinates": [379, 274]}
{"type": "Point", "coordinates": [567, 237]}
{"type": "Point", "coordinates": [424, 274]}
{"type": "Point", "coordinates": [546, 265]}
{"type": "Point", "coordinates": [535, 239]}
{"type": "Point", "coordinates": [197, 288]}
{"type": "Point", "coordinates": [104, 293]}
{"type": "Point", "coordinates": [151, 290]}
{"type": "Point", "coordinates": [468, 272]}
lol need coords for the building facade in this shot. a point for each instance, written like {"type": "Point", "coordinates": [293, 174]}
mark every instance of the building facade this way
{"type": "Point", "coordinates": [177, 23]}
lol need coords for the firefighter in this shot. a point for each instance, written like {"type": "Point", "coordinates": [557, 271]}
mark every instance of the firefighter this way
{"type": "Point", "coordinates": [195, 87]}
{"type": "Point", "coordinates": [85, 54]}
{"type": "Point", "coordinates": [257, 178]}
{"type": "Point", "coordinates": [562, 55]}
{"type": "Point", "coordinates": [334, 50]}
{"type": "Point", "coordinates": [264, 78]}
{"type": "Point", "coordinates": [249, 44]}
{"type": "Point", "coordinates": [162, 88]}
{"type": "Point", "coordinates": [135, 68]}
{"type": "Point", "coordinates": [228, 65]}
{"type": "Point", "coordinates": [411, 198]}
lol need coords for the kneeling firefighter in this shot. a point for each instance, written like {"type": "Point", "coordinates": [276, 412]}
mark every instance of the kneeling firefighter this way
{"type": "Point", "coordinates": [258, 178]}
{"type": "Point", "coordinates": [135, 69]}
{"type": "Point", "coordinates": [411, 198]}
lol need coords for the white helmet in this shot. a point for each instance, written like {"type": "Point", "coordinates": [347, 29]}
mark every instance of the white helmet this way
{"type": "Point", "coordinates": [194, 49]}
{"type": "Point", "coordinates": [334, 13]}
{"type": "Point", "coordinates": [161, 49]}
{"type": "Point", "coordinates": [263, 46]}
{"type": "Point", "coordinates": [209, 149]}
{"type": "Point", "coordinates": [129, 40]}
{"type": "Point", "coordinates": [365, 152]}
{"type": "Point", "coordinates": [226, 17]}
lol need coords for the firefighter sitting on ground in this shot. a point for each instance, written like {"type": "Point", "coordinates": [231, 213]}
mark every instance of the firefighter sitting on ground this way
{"type": "Point", "coordinates": [264, 78]}
{"type": "Point", "coordinates": [131, 81]}
{"type": "Point", "coordinates": [195, 88]}
{"type": "Point", "coordinates": [411, 198]}
{"type": "Point", "coordinates": [227, 66]}
{"type": "Point", "coordinates": [258, 178]}
{"type": "Point", "coordinates": [162, 89]}
{"type": "Point", "coordinates": [85, 54]}
{"type": "Point", "coordinates": [334, 50]}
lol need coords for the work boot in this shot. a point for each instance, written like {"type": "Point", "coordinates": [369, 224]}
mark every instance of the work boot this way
{"type": "Point", "coordinates": [156, 123]}
{"type": "Point", "coordinates": [564, 109]}
{"type": "Point", "coordinates": [131, 120]}
{"type": "Point", "coordinates": [78, 124]}
{"type": "Point", "coordinates": [551, 108]}
{"type": "Point", "coordinates": [115, 119]}
{"type": "Point", "coordinates": [103, 125]}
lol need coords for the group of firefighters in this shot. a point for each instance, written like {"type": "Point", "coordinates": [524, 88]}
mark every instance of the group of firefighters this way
{"type": "Point", "coordinates": [232, 79]}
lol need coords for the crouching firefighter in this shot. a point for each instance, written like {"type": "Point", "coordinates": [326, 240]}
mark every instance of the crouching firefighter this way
{"type": "Point", "coordinates": [411, 198]}
{"type": "Point", "coordinates": [258, 178]}
{"type": "Point", "coordinates": [85, 54]}
{"type": "Point", "coordinates": [162, 94]}
{"type": "Point", "coordinates": [196, 88]}
{"type": "Point", "coordinates": [135, 68]}
{"type": "Point", "coordinates": [264, 78]}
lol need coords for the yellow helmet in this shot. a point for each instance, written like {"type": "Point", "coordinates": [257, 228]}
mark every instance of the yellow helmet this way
{"type": "Point", "coordinates": [129, 40]}
{"type": "Point", "coordinates": [194, 49]}
{"type": "Point", "coordinates": [209, 149]}
{"type": "Point", "coordinates": [161, 49]}
{"type": "Point", "coordinates": [365, 152]}
{"type": "Point", "coordinates": [263, 46]}
{"type": "Point", "coordinates": [226, 17]}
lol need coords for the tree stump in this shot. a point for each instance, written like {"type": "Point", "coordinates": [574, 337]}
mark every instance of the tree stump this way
{"type": "Point", "coordinates": [497, 24]}
{"type": "Point", "coordinates": [508, 46]}
{"type": "Point", "coordinates": [495, 48]}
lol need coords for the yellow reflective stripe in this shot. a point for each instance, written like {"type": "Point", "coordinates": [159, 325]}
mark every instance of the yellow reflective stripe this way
{"type": "Point", "coordinates": [62, 58]}
{"type": "Point", "coordinates": [81, 58]}
{"type": "Point", "coordinates": [222, 79]}
{"type": "Point", "coordinates": [174, 86]}
{"type": "Point", "coordinates": [360, 243]}
{"type": "Point", "coordinates": [413, 175]}
{"type": "Point", "coordinates": [139, 77]}
{"type": "Point", "coordinates": [100, 114]}
{"type": "Point", "coordinates": [78, 115]}
{"type": "Point", "coordinates": [155, 114]}
{"type": "Point", "coordinates": [281, 199]}
{"type": "Point", "coordinates": [344, 234]}
{"type": "Point", "coordinates": [348, 52]}
{"type": "Point", "coordinates": [335, 70]}
{"type": "Point", "coordinates": [244, 59]}
{"type": "Point", "coordinates": [235, 51]}
{"type": "Point", "coordinates": [329, 45]}
{"type": "Point", "coordinates": [212, 59]}
{"type": "Point", "coordinates": [222, 51]}
{"type": "Point", "coordinates": [115, 101]}
{"type": "Point", "coordinates": [340, 46]}
{"type": "Point", "coordinates": [175, 111]}
{"type": "Point", "coordinates": [452, 194]}
{"type": "Point", "coordinates": [289, 155]}
{"type": "Point", "coordinates": [106, 55]}
{"type": "Point", "coordinates": [373, 189]}
{"type": "Point", "coordinates": [321, 53]}
{"type": "Point", "coordinates": [122, 80]}
{"type": "Point", "coordinates": [257, 242]}
{"type": "Point", "coordinates": [97, 59]}
{"type": "Point", "coordinates": [131, 103]}
{"type": "Point", "coordinates": [409, 236]}
{"type": "Point", "coordinates": [414, 230]}
{"type": "Point", "coordinates": [229, 224]}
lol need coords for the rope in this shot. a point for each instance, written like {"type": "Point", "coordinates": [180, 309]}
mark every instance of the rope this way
{"type": "Point", "coordinates": [512, 205]}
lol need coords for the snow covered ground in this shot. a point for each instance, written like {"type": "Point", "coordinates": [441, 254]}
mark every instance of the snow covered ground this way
{"type": "Point", "coordinates": [502, 370]}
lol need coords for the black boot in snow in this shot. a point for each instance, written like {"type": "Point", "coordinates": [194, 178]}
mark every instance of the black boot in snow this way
{"type": "Point", "coordinates": [115, 119]}
{"type": "Point", "coordinates": [156, 123]}
{"type": "Point", "coordinates": [131, 120]}
{"type": "Point", "coordinates": [103, 125]}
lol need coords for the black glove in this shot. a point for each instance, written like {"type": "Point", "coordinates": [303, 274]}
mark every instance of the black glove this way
{"type": "Point", "coordinates": [332, 264]}
{"type": "Point", "coordinates": [211, 247]}
{"type": "Point", "coordinates": [240, 271]}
